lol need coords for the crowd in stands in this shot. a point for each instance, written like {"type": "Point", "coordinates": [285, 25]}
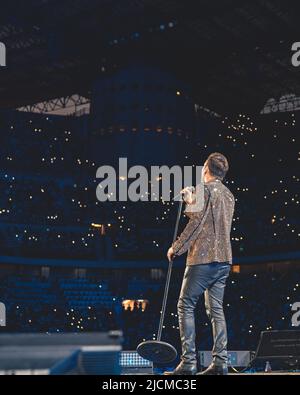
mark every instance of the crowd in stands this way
{"type": "Point", "coordinates": [253, 302]}
{"type": "Point", "coordinates": [48, 187]}
{"type": "Point", "coordinates": [48, 209]}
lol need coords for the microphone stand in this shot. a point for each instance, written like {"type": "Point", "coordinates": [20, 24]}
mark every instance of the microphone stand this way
{"type": "Point", "coordinates": [164, 304]}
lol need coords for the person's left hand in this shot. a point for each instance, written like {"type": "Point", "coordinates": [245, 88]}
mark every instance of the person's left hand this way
{"type": "Point", "coordinates": [170, 254]}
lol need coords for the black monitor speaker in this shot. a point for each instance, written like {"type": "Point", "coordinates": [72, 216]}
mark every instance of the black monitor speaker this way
{"type": "Point", "coordinates": [282, 346]}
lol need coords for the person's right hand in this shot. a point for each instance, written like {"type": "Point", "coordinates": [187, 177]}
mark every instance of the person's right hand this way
{"type": "Point", "coordinates": [187, 194]}
{"type": "Point", "coordinates": [170, 254]}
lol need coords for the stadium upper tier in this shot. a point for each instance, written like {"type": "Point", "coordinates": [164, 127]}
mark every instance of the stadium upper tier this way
{"type": "Point", "coordinates": [48, 188]}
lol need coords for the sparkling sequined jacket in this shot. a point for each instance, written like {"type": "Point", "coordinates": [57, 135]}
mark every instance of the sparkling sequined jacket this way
{"type": "Point", "coordinates": [206, 237]}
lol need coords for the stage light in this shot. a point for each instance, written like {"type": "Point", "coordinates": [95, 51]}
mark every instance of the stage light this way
{"type": "Point", "coordinates": [94, 225]}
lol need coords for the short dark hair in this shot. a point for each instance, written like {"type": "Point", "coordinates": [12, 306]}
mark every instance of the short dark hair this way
{"type": "Point", "coordinates": [217, 165]}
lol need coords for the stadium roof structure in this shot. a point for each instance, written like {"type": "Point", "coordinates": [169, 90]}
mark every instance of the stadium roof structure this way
{"type": "Point", "coordinates": [235, 54]}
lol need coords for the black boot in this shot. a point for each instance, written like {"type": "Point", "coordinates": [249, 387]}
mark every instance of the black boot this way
{"type": "Point", "coordinates": [188, 364]}
{"type": "Point", "coordinates": [218, 370]}
{"type": "Point", "coordinates": [183, 370]}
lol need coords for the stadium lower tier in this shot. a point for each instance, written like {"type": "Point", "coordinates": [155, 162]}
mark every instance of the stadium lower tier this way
{"type": "Point", "coordinates": [130, 300]}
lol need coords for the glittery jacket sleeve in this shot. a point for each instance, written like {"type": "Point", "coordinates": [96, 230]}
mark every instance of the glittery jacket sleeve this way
{"type": "Point", "coordinates": [192, 229]}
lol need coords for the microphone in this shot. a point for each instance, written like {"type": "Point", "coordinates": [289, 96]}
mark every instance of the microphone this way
{"type": "Point", "coordinates": [188, 190]}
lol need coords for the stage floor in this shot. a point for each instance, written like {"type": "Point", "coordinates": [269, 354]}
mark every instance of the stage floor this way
{"type": "Point", "coordinates": [266, 374]}
{"type": "Point", "coordinates": [46, 372]}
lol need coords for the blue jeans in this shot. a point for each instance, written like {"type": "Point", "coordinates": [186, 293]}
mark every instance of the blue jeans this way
{"type": "Point", "coordinates": [211, 280]}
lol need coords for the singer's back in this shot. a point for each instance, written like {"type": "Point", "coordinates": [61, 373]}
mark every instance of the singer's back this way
{"type": "Point", "coordinates": [207, 235]}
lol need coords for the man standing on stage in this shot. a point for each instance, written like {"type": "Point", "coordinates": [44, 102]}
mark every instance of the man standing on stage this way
{"type": "Point", "coordinates": [207, 240]}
